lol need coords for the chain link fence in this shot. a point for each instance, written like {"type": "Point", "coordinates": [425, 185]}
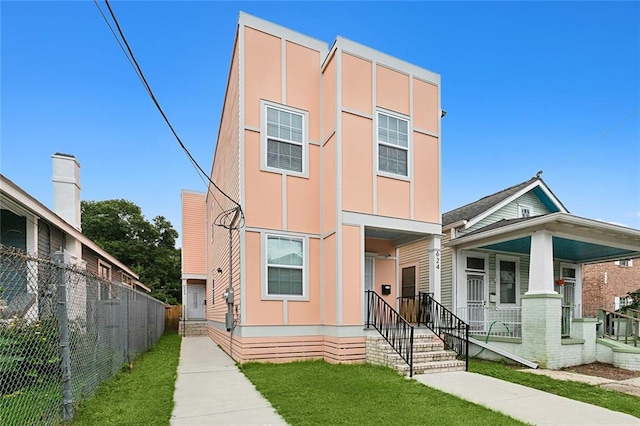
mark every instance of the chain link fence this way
{"type": "Point", "coordinates": [63, 331]}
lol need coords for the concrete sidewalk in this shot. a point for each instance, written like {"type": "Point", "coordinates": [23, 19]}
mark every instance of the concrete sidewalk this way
{"type": "Point", "coordinates": [211, 390]}
{"type": "Point", "coordinates": [520, 402]}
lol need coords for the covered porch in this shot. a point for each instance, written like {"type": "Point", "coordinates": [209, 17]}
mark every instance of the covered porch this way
{"type": "Point", "coordinates": [518, 283]}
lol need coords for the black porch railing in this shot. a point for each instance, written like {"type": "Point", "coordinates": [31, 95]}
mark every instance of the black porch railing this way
{"type": "Point", "coordinates": [453, 331]}
{"type": "Point", "coordinates": [397, 331]}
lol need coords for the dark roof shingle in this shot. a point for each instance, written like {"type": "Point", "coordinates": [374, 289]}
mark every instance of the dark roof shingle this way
{"type": "Point", "coordinates": [471, 210]}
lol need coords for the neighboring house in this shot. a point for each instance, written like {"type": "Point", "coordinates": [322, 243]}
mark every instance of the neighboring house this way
{"type": "Point", "coordinates": [334, 155]}
{"type": "Point", "coordinates": [512, 267]}
{"type": "Point", "coordinates": [27, 225]}
{"type": "Point", "coordinates": [605, 285]}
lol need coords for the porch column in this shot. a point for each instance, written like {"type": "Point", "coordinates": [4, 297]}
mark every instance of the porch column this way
{"type": "Point", "coordinates": [541, 266]}
{"type": "Point", "coordinates": [435, 266]}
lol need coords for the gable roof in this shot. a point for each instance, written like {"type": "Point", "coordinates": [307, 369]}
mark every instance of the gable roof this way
{"type": "Point", "coordinates": [19, 196]}
{"type": "Point", "coordinates": [486, 205]}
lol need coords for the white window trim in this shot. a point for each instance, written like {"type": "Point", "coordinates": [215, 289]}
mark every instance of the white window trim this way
{"type": "Point", "coordinates": [497, 268]}
{"type": "Point", "coordinates": [628, 265]}
{"type": "Point", "coordinates": [265, 268]}
{"type": "Point", "coordinates": [378, 142]}
{"type": "Point", "coordinates": [263, 139]}
{"type": "Point", "coordinates": [522, 207]}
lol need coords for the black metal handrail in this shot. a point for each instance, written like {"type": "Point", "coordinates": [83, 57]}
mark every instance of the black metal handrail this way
{"type": "Point", "coordinates": [453, 331]}
{"type": "Point", "coordinates": [397, 331]}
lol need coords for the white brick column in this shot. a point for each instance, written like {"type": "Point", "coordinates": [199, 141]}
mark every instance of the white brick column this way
{"type": "Point", "coordinates": [435, 266]}
{"type": "Point", "coordinates": [541, 266]}
{"type": "Point", "coordinates": [541, 329]}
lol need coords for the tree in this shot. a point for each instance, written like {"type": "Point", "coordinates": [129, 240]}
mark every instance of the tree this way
{"type": "Point", "coordinates": [147, 247]}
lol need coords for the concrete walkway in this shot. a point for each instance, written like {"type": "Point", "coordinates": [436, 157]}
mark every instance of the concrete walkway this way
{"type": "Point", "coordinates": [211, 390]}
{"type": "Point", "coordinates": [520, 402]}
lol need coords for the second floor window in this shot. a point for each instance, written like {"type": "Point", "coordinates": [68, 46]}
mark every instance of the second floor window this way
{"type": "Point", "coordinates": [393, 145]}
{"type": "Point", "coordinates": [285, 140]}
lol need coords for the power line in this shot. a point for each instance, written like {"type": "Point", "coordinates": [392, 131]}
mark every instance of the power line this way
{"type": "Point", "coordinates": [138, 70]}
{"type": "Point", "coordinates": [588, 145]}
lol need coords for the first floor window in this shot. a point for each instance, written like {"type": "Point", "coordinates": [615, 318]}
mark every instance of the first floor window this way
{"type": "Point", "coordinates": [507, 281]}
{"type": "Point", "coordinates": [393, 145]}
{"type": "Point", "coordinates": [285, 266]}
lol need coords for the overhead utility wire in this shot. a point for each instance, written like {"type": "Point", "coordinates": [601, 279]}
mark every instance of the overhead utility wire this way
{"type": "Point", "coordinates": [138, 70]}
{"type": "Point", "coordinates": [587, 146]}
{"type": "Point", "coordinates": [157, 104]}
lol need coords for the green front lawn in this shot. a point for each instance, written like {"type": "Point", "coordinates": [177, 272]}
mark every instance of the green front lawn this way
{"type": "Point", "coordinates": [142, 395]}
{"type": "Point", "coordinates": [584, 392]}
{"type": "Point", "coordinates": [315, 392]}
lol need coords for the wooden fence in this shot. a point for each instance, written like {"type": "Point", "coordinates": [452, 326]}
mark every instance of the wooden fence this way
{"type": "Point", "coordinates": [172, 315]}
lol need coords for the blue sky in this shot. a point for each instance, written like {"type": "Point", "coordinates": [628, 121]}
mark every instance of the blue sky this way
{"type": "Point", "coordinates": [527, 87]}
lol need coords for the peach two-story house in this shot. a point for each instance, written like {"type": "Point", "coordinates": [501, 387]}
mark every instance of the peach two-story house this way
{"type": "Point", "coordinates": [333, 153]}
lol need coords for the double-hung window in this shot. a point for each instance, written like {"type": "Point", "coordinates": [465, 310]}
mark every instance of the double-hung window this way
{"type": "Point", "coordinates": [393, 145]}
{"type": "Point", "coordinates": [285, 135]}
{"type": "Point", "coordinates": [285, 266]}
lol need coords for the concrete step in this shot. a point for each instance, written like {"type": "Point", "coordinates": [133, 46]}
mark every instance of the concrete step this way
{"type": "Point", "coordinates": [420, 347]}
{"type": "Point", "coordinates": [423, 357]}
{"type": "Point", "coordinates": [431, 367]}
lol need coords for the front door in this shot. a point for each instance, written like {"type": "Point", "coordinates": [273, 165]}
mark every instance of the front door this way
{"type": "Point", "coordinates": [475, 272]}
{"type": "Point", "coordinates": [195, 301]}
{"type": "Point", "coordinates": [475, 301]}
{"type": "Point", "coordinates": [567, 288]}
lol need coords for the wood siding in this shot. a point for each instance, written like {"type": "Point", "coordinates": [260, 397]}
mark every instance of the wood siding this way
{"type": "Point", "coordinates": [510, 211]}
{"type": "Point", "coordinates": [194, 232]}
{"type": "Point", "coordinates": [418, 252]}
{"type": "Point", "coordinates": [226, 174]}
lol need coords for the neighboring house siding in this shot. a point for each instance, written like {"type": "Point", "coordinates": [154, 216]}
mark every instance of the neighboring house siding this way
{"type": "Point", "coordinates": [194, 233]}
{"type": "Point", "coordinates": [418, 253]}
{"type": "Point", "coordinates": [510, 211]}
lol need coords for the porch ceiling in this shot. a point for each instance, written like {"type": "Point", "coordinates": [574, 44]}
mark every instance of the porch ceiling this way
{"type": "Point", "coordinates": [566, 249]}
{"type": "Point", "coordinates": [574, 239]}
{"type": "Point", "coordinates": [398, 237]}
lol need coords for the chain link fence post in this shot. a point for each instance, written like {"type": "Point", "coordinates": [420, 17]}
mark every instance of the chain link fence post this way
{"type": "Point", "coordinates": [67, 397]}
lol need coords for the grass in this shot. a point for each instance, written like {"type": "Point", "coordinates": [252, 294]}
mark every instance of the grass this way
{"type": "Point", "coordinates": [142, 395]}
{"type": "Point", "coordinates": [616, 401]}
{"type": "Point", "coordinates": [315, 392]}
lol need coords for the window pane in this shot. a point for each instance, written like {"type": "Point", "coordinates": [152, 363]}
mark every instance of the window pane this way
{"type": "Point", "coordinates": [409, 281]}
{"type": "Point", "coordinates": [296, 121]}
{"type": "Point", "coordinates": [284, 251]}
{"type": "Point", "coordinates": [475, 263]}
{"type": "Point", "coordinates": [272, 115]}
{"type": "Point", "coordinates": [507, 282]}
{"type": "Point", "coordinates": [284, 155]}
{"type": "Point", "coordinates": [568, 273]}
{"type": "Point", "coordinates": [284, 281]}
{"type": "Point", "coordinates": [392, 160]}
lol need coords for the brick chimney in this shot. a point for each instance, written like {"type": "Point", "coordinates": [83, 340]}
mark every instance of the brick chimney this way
{"type": "Point", "coordinates": [66, 188]}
